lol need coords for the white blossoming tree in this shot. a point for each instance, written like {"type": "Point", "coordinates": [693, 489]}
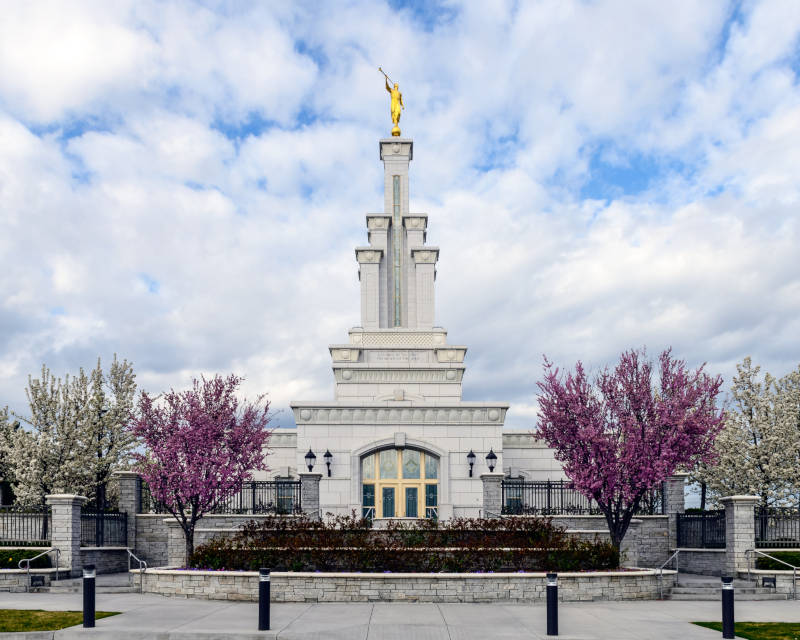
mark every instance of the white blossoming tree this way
{"type": "Point", "coordinates": [75, 435]}
{"type": "Point", "coordinates": [759, 448]}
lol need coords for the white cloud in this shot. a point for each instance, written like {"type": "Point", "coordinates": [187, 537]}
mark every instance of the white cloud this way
{"type": "Point", "coordinates": [201, 174]}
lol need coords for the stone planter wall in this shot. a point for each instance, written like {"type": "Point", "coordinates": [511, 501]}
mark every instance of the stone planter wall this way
{"type": "Point", "coordinates": [16, 580]}
{"type": "Point", "coordinates": [783, 579]}
{"type": "Point", "coordinates": [105, 559]}
{"type": "Point", "coordinates": [707, 562]}
{"type": "Point", "coordinates": [409, 587]}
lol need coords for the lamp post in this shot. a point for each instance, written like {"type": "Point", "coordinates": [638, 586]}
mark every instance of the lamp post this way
{"type": "Point", "coordinates": [491, 459]}
{"type": "Point", "coordinates": [328, 459]}
{"type": "Point", "coordinates": [310, 460]}
{"type": "Point", "coordinates": [727, 608]}
{"type": "Point", "coordinates": [471, 461]}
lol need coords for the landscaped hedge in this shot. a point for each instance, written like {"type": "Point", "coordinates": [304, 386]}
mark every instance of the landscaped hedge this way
{"type": "Point", "coordinates": [459, 545]}
{"type": "Point", "coordinates": [9, 558]}
{"type": "Point", "coordinates": [792, 557]}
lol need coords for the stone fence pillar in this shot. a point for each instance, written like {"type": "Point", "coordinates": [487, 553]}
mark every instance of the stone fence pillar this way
{"type": "Point", "coordinates": [65, 529]}
{"type": "Point", "coordinates": [176, 543]}
{"type": "Point", "coordinates": [674, 503]}
{"type": "Point", "coordinates": [309, 494]}
{"type": "Point", "coordinates": [492, 494]}
{"type": "Point", "coordinates": [629, 547]}
{"type": "Point", "coordinates": [740, 531]}
{"type": "Point", "coordinates": [130, 501]}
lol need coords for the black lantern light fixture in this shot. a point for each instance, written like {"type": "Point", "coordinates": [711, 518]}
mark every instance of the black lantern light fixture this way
{"type": "Point", "coordinates": [310, 459]}
{"type": "Point", "coordinates": [471, 461]}
{"type": "Point", "coordinates": [328, 459]}
{"type": "Point", "coordinates": [491, 460]}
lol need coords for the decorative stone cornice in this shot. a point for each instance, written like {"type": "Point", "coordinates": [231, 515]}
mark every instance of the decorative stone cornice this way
{"type": "Point", "coordinates": [425, 255]}
{"type": "Point", "coordinates": [416, 221]}
{"type": "Point", "coordinates": [391, 148]}
{"type": "Point", "coordinates": [373, 413]}
{"type": "Point", "coordinates": [451, 354]}
{"type": "Point", "coordinates": [402, 338]}
{"type": "Point", "coordinates": [368, 255]}
{"type": "Point", "coordinates": [398, 375]}
{"type": "Point", "coordinates": [378, 221]}
{"type": "Point", "coordinates": [344, 354]}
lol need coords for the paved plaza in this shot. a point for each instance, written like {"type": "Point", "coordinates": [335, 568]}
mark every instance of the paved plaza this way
{"type": "Point", "coordinates": [147, 617]}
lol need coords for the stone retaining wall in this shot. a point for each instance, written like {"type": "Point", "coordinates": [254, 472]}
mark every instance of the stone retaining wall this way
{"type": "Point", "coordinates": [105, 559]}
{"type": "Point", "coordinates": [16, 580]}
{"type": "Point", "coordinates": [707, 562]}
{"type": "Point", "coordinates": [783, 579]}
{"type": "Point", "coordinates": [406, 587]}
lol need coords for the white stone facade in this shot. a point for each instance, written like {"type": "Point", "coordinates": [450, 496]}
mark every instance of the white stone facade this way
{"type": "Point", "coordinates": [398, 383]}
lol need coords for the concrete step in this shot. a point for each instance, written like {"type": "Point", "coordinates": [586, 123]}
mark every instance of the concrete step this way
{"type": "Point", "coordinates": [738, 592]}
{"type": "Point", "coordinates": [715, 596]}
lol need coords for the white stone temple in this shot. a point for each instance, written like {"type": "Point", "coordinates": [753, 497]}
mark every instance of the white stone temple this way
{"type": "Point", "coordinates": [397, 433]}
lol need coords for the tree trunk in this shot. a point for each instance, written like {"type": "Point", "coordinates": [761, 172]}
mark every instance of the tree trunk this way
{"type": "Point", "coordinates": [703, 488]}
{"type": "Point", "coordinates": [189, 534]}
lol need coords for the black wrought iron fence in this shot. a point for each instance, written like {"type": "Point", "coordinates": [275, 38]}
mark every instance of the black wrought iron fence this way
{"type": "Point", "coordinates": [704, 530]}
{"type": "Point", "coordinates": [777, 527]}
{"type": "Point", "coordinates": [25, 525]}
{"type": "Point", "coordinates": [104, 529]}
{"type": "Point", "coordinates": [557, 497]}
{"type": "Point", "coordinates": [280, 497]}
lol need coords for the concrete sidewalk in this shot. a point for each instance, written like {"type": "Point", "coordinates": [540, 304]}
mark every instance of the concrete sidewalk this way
{"type": "Point", "coordinates": [150, 617]}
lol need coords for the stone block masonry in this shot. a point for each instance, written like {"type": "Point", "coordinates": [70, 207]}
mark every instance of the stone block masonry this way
{"type": "Point", "coordinates": [407, 587]}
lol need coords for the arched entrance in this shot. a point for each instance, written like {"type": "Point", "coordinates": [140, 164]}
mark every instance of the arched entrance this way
{"type": "Point", "coordinates": [400, 483]}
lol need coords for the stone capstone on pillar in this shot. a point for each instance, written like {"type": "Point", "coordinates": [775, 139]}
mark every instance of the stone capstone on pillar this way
{"type": "Point", "coordinates": [309, 494]}
{"type": "Point", "coordinates": [740, 531]}
{"type": "Point", "coordinates": [65, 529]}
{"type": "Point", "coordinates": [492, 494]}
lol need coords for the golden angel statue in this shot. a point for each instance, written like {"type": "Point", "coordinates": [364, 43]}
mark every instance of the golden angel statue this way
{"type": "Point", "coordinates": [396, 104]}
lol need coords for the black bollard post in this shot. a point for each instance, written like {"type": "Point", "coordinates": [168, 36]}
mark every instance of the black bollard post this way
{"type": "Point", "coordinates": [552, 604]}
{"type": "Point", "coordinates": [88, 595]}
{"type": "Point", "coordinates": [263, 600]}
{"type": "Point", "coordinates": [727, 608]}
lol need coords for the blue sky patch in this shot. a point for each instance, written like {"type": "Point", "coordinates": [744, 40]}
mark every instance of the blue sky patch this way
{"type": "Point", "coordinates": [152, 285]}
{"type": "Point", "coordinates": [429, 14]}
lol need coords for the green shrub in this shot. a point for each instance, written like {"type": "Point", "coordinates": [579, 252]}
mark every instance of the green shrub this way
{"type": "Point", "coordinates": [458, 545]}
{"type": "Point", "coordinates": [792, 557]}
{"type": "Point", "coordinates": [9, 558]}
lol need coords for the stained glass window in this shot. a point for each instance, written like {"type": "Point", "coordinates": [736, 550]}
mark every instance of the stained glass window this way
{"type": "Point", "coordinates": [388, 463]}
{"type": "Point", "coordinates": [410, 464]}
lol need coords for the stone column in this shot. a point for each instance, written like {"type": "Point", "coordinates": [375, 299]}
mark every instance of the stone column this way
{"type": "Point", "coordinates": [130, 501]}
{"type": "Point", "coordinates": [674, 503]}
{"type": "Point", "coordinates": [65, 529]}
{"type": "Point", "coordinates": [176, 543]}
{"type": "Point", "coordinates": [629, 548]}
{"type": "Point", "coordinates": [309, 494]}
{"type": "Point", "coordinates": [492, 494]}
{"type": "Point", "coordinates": [740, 532]}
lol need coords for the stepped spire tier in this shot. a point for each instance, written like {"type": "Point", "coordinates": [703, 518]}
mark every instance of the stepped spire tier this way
{"type": "Point", "coordinates": [397, 428]}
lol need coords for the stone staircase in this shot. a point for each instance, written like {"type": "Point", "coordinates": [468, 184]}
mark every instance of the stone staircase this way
{"type": "Point", "coordinates": [696, 587]}
{"type": "Point", "coordinates": [106, 583]}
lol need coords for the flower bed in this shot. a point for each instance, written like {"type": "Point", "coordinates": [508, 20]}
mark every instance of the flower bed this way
{"type": "Point", "coordinates": [348, 544]}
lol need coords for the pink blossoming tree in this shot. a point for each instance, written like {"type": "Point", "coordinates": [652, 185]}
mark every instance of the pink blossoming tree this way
{"type": "Point", "coordinates": [625, 432]}
{"type": "Point", "coordinates": [200, 445]}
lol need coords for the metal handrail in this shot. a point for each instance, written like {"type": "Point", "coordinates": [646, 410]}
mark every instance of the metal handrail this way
{"type": "Point", "coordinates": [766, 555]}
{"type": "Point", "coordinates": [142, 568]}
{"type": "Point", "coordinates": [661, 572]}
{"type": "Point", "coordinates": [28, 561]}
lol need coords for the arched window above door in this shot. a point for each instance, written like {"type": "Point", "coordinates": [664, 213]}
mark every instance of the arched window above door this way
{"type": "Point", "coordinates": [400, 483]}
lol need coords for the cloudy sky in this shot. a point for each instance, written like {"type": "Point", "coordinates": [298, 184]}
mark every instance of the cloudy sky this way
{"type": "Point", "coordinates": [183, 184]}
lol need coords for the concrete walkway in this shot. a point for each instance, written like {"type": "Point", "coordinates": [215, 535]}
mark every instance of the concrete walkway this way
{"type": "Point", "coordinates": [150, 617]}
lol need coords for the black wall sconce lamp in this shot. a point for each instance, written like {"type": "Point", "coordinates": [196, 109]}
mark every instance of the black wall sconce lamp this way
{"type": "Point", "coordinates": [491, 459]}
{"type": "Point", "coordinates": [471, 461]}
{"type": "Point", "coordinates": [310, 459]}
{"type": "Point", "coordinates": [328, 459]}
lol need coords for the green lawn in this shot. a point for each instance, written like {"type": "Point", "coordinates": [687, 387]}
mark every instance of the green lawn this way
{"type": "Point", "coordinates": [38, 620]}
{"type": "Point", "coordinates": [760, 630]}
